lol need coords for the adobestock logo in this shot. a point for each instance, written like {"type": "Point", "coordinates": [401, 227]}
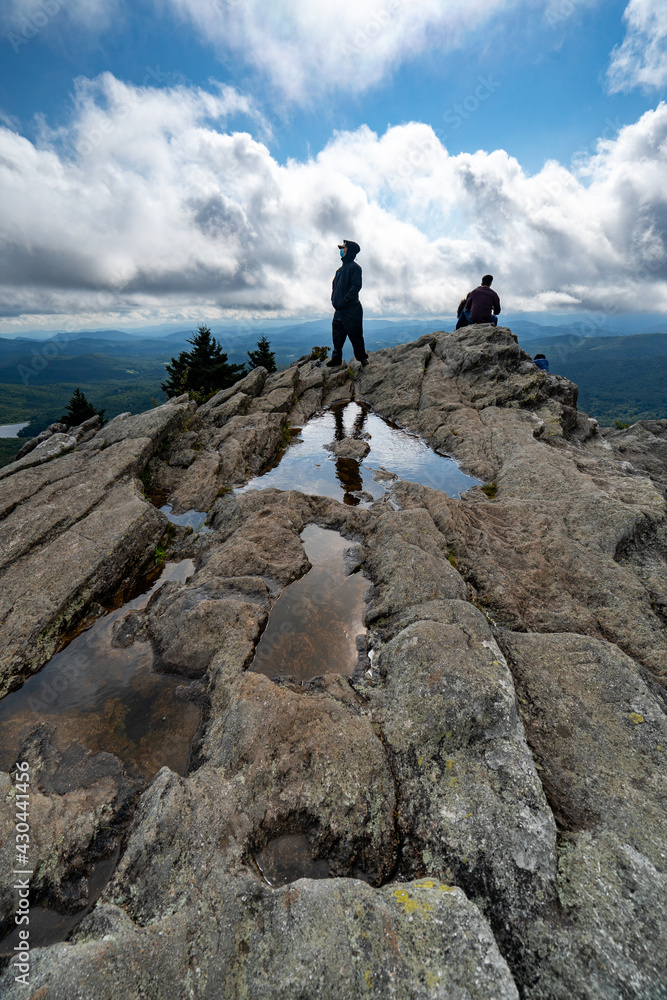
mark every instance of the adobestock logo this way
{"type": "Point", "coordinates": [561, 11]}
{"type": "Point", "coordinates": [458, 113]}
{"type": "Point", "coordinates": [43, 356]}
{"type": "Point", "coordinates": [31, 26]}
{"type": "Point", "coordinates": [372, 29]}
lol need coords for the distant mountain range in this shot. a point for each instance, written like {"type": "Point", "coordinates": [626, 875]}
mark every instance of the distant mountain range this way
{"type": "Point", "coordinates": [620, 377]}
{"type": "Point", "coordinates": [580, 324]}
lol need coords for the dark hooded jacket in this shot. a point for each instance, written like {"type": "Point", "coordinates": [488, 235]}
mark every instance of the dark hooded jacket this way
{"type": "Point", "coordinates": [346, 284]}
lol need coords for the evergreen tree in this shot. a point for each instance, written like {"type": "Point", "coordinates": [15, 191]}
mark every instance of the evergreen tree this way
{"type": "Point", "coordinates": [78, 409]}
{"type": "Point", "coordinates": [203, 370]}
{"type": "Point", "coordinates": [263, 357]}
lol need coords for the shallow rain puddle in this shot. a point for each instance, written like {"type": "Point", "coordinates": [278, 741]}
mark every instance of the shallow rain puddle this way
{"type": "Point", "coordinates": [106, 697]}
{"type": "Point", "coordinates": [288, 858]}
{"type": "Point", "coordinates": [51, 926]}
{"type": "Point", "coordinates": [308, 467]}
{"type": "Point", "coordinates": [315, 621]}
{"type": "Point", "coordinates": [190, 519]}
{"type": "Point", "coordinates": [159, 497]}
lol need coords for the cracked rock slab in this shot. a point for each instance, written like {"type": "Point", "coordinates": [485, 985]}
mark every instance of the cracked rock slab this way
{"type": "Point", "coordinates": [471, 806]}
{"type": "Point", "coordinates": [334, 939]}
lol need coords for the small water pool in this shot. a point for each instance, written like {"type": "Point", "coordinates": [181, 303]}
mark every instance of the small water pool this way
{"type": "Point", "coordinates": [159, 497]}
{"type": "Point", "coordinates": [107, 697]}
{"type": "Point", "coordinates": [190, 519]}
{"type": "Point", "coordinates": [49, 927]}
{"type": "Point", "coordinates": [288, 858]}
{"type": "Point", "coordinates": [394, 453]}
{"type": "Point", "coordinates": [315, 622]}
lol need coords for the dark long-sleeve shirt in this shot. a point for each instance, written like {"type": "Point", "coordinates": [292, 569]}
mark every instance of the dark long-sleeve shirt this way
{"type": "Point", "coordinates": [483, 303]}
{"type": "Point", "coordinates": [346, 285]}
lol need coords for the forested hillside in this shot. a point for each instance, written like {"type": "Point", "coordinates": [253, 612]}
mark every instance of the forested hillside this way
{"type": "Point", "coordinates": [619, 378]}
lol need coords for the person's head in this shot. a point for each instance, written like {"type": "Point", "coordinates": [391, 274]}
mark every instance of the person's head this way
{"type": "Point", "coordinates": [461, 306]}
{"type": "Point", "coordinates": [349, 249]}
{"type": "Point", "coordinates": [540, 357]}
{"type": "Point", "coordinates": [487, 279]}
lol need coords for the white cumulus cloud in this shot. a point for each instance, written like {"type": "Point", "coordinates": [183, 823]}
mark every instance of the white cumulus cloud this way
{"type": "Point", "coordinates": [147, 209]}
{"type": "Point", "coordinates": [306, 48]}
{"type": "Point", "coordinates": [641, 59]}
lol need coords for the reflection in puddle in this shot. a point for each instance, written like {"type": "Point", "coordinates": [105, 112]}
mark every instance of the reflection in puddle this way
{"type": "Point", "coordinates": [106, 697]}
{"type": "Point", "coordinates": [307, 467]}
{"type": "Point", "coordinates": [49, 927]}
{"type": "Point", "coordinates": [288, 858]}
{"type": "Point", "coordinates": [315, 621]}
{"type": "Point", "coordinates": [190, 519]}
{"type": "Point", "coordinates": [159, 497]}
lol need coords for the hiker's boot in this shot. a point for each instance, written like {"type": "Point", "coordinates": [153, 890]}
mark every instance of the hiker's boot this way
{"type": "Point", "coordinates": [334, 363]}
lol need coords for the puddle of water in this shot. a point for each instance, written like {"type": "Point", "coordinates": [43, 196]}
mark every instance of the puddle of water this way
{"type": "Point", "coordinates": [159, 497]}
{"type": "Point", "coordinates": [49, 927]}
{"type": "Point", "coordinates": [288, 858]}
{"type": "Point", "coordinates": [108, 698]}
{"type": "Point", "coordinates": [190, 519]}
{"type": "Point", "coordinates": [307, 467]}
{"type": "Point", "coordinates": [314, 623]}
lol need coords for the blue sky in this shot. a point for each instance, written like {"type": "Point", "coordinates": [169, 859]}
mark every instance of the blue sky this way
{"type": "Point", "coordinates": [168, 159]}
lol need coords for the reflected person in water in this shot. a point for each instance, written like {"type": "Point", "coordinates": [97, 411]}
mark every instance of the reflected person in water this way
{"type": "Point", "coordinates": [348, 471]}
{"type": "Point", "coordinates": [348, 313]}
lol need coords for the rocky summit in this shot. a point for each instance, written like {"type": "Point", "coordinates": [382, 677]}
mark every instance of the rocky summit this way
{"type": "Point", "coordinates": [476, 811]}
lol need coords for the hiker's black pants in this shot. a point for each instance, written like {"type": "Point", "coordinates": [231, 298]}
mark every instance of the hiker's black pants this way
{"type": "Point", "coordinates": [348, 323]}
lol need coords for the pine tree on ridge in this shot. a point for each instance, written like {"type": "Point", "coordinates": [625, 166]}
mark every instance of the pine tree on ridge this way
{"type": "Point", "coordinates": [79, 409]}
{"type": "Point", "coordinates": [202, 371]}
{"type": "Point", "coordinates": [263, 357]}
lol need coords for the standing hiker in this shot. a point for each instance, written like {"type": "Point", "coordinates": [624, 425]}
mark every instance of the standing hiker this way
{"type": "Point", "coordinates": [348, 314]}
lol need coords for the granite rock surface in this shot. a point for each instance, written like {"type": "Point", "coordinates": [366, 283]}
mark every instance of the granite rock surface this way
{"type": "Point", "coordinates": [478, 809]}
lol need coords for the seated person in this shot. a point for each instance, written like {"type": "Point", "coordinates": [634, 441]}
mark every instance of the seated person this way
{"type": "Point", "coordinates": [483, 303]}
{"type": "Point", "coordinates": [541, 362]}
{"type": "Point", "coordinates": [462, 317]}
